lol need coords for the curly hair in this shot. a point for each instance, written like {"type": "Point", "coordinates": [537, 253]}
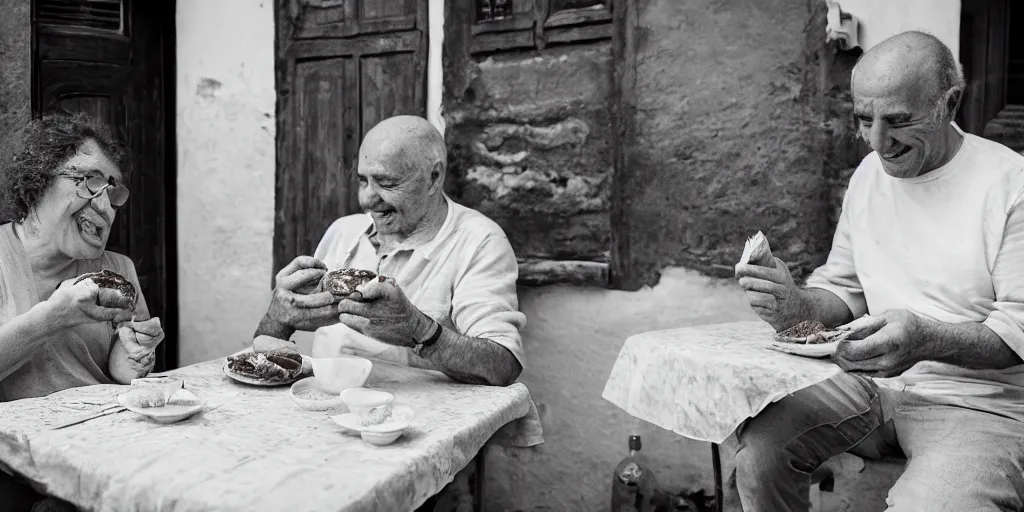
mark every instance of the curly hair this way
{"type": "Point", "coordinates": [46, 144]}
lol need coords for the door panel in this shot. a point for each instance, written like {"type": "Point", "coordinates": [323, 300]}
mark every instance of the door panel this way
{"type": "Point", "coordinates": [368, 63]}
{"type": "Point", "coordinates": [105, 58]}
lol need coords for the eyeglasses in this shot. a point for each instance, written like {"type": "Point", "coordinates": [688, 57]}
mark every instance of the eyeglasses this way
{"type": "Point", "coordinates": [116, 193]}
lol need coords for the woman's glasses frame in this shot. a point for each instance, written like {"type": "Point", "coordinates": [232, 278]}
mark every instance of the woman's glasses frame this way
{"type": "Point", "coordinates": [117, 194]}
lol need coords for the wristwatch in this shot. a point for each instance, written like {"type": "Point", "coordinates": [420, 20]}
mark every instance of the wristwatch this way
{"type": "Point", "coordinates": [430, 340]}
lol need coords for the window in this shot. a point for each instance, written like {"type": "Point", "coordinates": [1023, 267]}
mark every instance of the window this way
{"type": "Point", "coordinates": [522, 24]}
{"type": "Point", "coordinates": [94, 14]}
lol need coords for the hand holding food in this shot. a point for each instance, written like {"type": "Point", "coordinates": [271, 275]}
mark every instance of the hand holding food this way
{"type": "Point", "coordinates": [292, 307]}
{"type": "Point", "coordinates": [344, 281]}
{"type": "Point", "coordinates": [92, 298]}
{"type": "Point", "coordinates": [769, 286]}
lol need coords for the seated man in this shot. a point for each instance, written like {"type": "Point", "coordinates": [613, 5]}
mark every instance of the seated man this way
{"type": "Point", "coordinates": [930, 242]}
{"type": "Point", "coordinates": [451, 303]}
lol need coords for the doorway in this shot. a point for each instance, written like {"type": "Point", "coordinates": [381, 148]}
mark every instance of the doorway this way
{"type": "Point", "coordinates": [114, 59]}
{"type": "Point", "coordinates": [992, 53]}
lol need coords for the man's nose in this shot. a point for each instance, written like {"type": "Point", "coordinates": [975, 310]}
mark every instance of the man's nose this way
{"type": "Point", "coordinates": [368, 195]}
{"type": "Point", "coordinates": [879, 137]}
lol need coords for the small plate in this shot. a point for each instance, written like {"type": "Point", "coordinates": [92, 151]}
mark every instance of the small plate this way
{"type": "Point", "coordinates": [382, 434]}
{"type": "Point", "coordinates": [815, 350]}
{"type": "Point", "coordinates": [169, 413]}
{"type": "Point", "coordinates": [312, 385]}
{"type": "Point", "coordinates": [266, 383]}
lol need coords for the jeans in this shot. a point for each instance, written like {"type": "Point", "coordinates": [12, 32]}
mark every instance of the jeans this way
{"type": "Point", "coordinates": [959, 459]}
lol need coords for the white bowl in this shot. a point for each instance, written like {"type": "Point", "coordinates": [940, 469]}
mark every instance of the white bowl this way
{"type": "Point", "coordinates": [300, 395]}
{"type": "Point", "coordinates": [371, 406]}
{"type": "Point", "coordinates": [336, 374]}
{"type": "Point", "coordinates": [379, 438]}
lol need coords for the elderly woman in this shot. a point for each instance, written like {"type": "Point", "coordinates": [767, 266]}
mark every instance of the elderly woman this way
{"type": "Point", "coordinates": [61, 193]}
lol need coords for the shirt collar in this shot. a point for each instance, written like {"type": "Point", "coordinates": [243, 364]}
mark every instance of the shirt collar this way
{"type": "Point", "coordinates": [426, 250]}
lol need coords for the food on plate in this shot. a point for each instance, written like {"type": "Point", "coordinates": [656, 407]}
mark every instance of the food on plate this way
{"type": "Point", "coordinates": [810, 332]}
{"type": "Point", "coordinates": [275, 365]}
{"type": "Point", "coordinates": [757, 251]}
{"type": "Point", "coordinates": [342, 282]}
{"type": "Point", "coordinates": [183, 397]}
{"type": "Point", "coordinates": [314, 394]}
{"type": "Point", "coordinates": [147, 396]}
{"type": "Point", "coordinates": [158, 394]}
{"type": "Point", "coordinates": [114, 281]}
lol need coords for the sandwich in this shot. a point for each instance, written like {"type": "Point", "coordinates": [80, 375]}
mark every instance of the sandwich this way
{"type": "Point", "coordinates": [271, 360]}
{"type": "Point", "coordinates": [757, 251]}
{"type": "Point", "coordinates": [126, 295]}
{"type": "Point", "coordinates": [342, 282]}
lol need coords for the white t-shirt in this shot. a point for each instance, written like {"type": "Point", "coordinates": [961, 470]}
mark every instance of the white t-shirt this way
{"type": "Point", "coordinates": [949, 246]}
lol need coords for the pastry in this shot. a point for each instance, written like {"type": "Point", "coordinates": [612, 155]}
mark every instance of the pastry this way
{"type": "Point", "coordinates": [342, 282]}
{"type": "Point", "coordinates": [276, 365]}
{"type": "Point", "coordinates": [113, 281]}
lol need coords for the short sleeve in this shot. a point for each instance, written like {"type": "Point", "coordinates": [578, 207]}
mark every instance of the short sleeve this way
{"type": "Point", "coordinates": [839, 273]}
{"type": "Point", "coordinates": [485, 303]}
{"type": "Point", "coordinates": [1007, 318]}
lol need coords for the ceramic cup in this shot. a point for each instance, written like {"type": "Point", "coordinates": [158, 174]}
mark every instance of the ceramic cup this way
{"type": "Point", "coordinates": [370, 406]}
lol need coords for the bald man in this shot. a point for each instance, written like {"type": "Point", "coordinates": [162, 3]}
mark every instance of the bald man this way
{"type": "Point", "coordinates": [930, 242]}
{"type": "Point", "coordinates": [451, 305]}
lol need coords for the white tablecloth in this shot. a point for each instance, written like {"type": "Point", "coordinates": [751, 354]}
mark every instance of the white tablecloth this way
{"type": "Point", "coordinates": [253, 449]}
{"type": "Point", "coordinates": [703, 382]}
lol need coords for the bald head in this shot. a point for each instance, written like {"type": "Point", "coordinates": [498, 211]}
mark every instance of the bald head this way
{"type": "Point", "coordinates": [906, 91]}
{"type": "Point", "coordinates": [401, 171]}
{"type": "Point", "coordinates": [410, 143]}
{"type": "Point", "coordinates": [913, 59]}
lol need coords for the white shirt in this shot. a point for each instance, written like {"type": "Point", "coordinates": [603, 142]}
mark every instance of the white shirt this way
{"type": "Point", "coordinates": [947, 245]}
{"type": "Point", "coordinates": [465, 277]}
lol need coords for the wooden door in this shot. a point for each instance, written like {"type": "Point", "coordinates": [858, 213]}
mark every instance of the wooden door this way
{"type": "Point", "coordinates": [106, 58]}
{"type": "Point", "coordinates": [343, 66]}
{"type": "Point", "coordinates": [984, 27]}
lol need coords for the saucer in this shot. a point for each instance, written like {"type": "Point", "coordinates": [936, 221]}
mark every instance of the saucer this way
{"type": "Point", "coordinates": [169, 413]}
{"type": "Point", "coordinates": [381, 434]}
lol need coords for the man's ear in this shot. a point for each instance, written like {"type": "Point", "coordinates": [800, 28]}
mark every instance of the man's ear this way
{"type": "Point", "coordinates": [436, 177]}
{"type": "Point", "coordinates": [951, 102]}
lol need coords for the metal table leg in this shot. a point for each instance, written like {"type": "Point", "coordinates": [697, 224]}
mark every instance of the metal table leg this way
{"type": "Point", "coordinates": [478, 481]}
{"type": "Point", "coordinates": [716, 462]}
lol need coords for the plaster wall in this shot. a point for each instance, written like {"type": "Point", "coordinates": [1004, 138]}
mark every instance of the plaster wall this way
{"type": "Point", "coordinates": [225, 140]}
{"type": "Point", "coordinates": [880, 19]}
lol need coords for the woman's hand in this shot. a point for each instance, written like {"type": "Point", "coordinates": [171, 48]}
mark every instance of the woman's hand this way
{"type": "Point", "coordinates": [139, 340]}
{"type": "Point", "coordinates": [79, 303]}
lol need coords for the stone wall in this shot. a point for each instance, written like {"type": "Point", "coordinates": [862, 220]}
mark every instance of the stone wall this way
{"type": "Point", "coordinates": [530, 147]}
{"type": "Point", "coordinates": [722, 122]}
{"type": "Point", "coordinates": [15, 73]}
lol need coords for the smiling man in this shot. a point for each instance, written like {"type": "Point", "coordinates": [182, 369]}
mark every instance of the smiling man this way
{"type": "Point", "coordinates": [451, 302]}
{"type": "Point", "coordinates": [930, 242]}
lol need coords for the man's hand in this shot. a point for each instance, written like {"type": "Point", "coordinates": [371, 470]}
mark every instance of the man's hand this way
{"type": "Point", "coordinates": [885, 345]}
{"type": "Point", "coordinates": [772, 293]}
{"type": "Point", "coordinates": [381, 311]}
{"type": "Point", "coordinates": [294, 304]}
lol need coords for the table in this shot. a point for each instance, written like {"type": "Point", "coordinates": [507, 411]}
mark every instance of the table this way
{"type": "Point", "coordinates": [656, 373]}
{"type": "Point", "coordinates": [254, 449]}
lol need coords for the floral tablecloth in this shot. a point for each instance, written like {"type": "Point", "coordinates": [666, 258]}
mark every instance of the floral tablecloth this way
{"type": "Point", "coordinates": [703, 382]}
{"type": "Point", "coordinates": [254, 449]}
